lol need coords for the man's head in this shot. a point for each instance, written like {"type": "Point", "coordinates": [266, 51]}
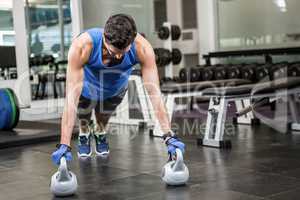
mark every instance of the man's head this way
{"type": "Point", "coordinates": [119, 32]}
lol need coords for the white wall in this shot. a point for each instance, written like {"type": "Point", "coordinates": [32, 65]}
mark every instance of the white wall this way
{"type": "Point", "coordinates": [21, 85]}
{"type": "Point", "coordinates": [207, 27]}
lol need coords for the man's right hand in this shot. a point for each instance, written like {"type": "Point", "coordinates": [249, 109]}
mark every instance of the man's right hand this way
{"type": "Point", "coordinates": [62, 150]}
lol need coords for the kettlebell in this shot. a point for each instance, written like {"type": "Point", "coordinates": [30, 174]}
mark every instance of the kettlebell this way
{"type": "Point", "coordinates": [175, 172]}
{"type": "Point", "coordinates": [63, 182]}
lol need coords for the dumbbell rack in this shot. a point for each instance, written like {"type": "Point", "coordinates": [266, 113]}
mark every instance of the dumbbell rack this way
{"type": "Point", "coordinates": [267, 54]}
{"type": "Point", "coordinates": [167, 44]}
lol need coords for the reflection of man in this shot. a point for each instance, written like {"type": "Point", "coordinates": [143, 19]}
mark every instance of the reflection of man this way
{"type": "Point", "coordinates": [99, 64]}
{"type": "Point", "coordinates": [37, 47]}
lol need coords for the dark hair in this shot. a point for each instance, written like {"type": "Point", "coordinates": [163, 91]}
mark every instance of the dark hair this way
{"type": "Point", "coordinates": [120, 30]}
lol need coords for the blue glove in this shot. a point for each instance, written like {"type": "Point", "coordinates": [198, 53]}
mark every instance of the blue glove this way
{"type": "Point", "coordinates": [62, 150]}
{"type": "Point", "coordinates": [173, 143]}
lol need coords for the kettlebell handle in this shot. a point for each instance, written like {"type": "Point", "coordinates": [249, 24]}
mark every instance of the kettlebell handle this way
{"type": "Point", "coordinates": [64, 174]}
{"type": "Point", "coordinates": [179, 164]}
{"type": "Point", "coordinates": [63, 163]}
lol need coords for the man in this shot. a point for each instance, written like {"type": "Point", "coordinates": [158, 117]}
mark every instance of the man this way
{"type": "Point", "coordinates": [100, 62]}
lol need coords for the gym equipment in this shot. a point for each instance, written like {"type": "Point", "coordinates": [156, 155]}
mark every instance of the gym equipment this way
{"type": "Point", "coordinates": [39, 60]}
{"type": "Point", "coordinates": [294, 70]}
{"type": "Point", "coordinates": [122, 112]}
{"type": "Point", "coordinates": [162, 56]}
{"type": "Point", "coordinates": [164, 32]}
{"type": "Point", "coordinates": [9, 109]}
{"type": "Point", "coordinates": [262, 72]}
{"type": "Point", "coordinates": [284, 88]}
{"type": "Point", "coordinates": [63, 182]}
{"type": "Point", "coordinates": [234, 72]}
{"type": "Point", "coordinates": [194, 74]}
{"type": "Point", "coordinates": [207, 73]}
{"type": "Point", "coordinates": [169, 32]}
{"type": "Point", "coordinates": [175, 32]}
{"type": "Point", "coordinates": [175, 172]}
{"type": "Point", "coordinates": [183, 74]}
{"type": "Point", "coordinates": [187, 90]}
{"type": "Point", "coordinates": [253, 106]}
{"type": "Point", "coordinates": [191, 74]}
{"type": "Point", "coordinates": [220, 72]}
{"type": "Point", "coordinates": [248, 72]}
{"type": "Point", "coordinates": [278, 70]}
{"type": "Point", "coordinates": [176, 56]}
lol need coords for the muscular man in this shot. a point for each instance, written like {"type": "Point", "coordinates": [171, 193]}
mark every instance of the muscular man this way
{"type": "Point", "coordinates": [100, 62]}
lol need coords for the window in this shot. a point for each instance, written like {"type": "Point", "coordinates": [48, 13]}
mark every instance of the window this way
{"type": "Point", "coordinates": [258, 23]}
{"type": "Point", "coordinates": [44, 30]}
{"type": "Point", "coordinates": [189, 14]}
{"type": "Point", "coordinates": [6, 24]}
{"type": "Point", "coordinates": [160, 13]}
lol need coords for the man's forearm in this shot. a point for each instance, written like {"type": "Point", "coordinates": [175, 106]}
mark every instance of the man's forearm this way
{"type": "Point", "coordinates": [159, 107]}
{"type": "Point", "coordinates": [69, 114]}
{"type": "Point", "coordinates": [67, 125]}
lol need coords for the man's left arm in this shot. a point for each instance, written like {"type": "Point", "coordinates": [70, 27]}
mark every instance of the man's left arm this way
{"type": "Point", "coordinates": [151, 82]}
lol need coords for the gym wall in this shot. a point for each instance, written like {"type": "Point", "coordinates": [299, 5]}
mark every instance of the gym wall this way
{"type": "Point", "coordinates": [96, 12]}
{"type": "Point", "coordinates": [258, 24]}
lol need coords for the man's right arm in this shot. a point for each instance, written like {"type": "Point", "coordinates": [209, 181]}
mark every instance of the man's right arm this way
{"type": "Point", "coordinates": [78, 56]}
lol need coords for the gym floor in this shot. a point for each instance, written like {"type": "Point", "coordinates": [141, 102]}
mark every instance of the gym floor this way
{"type": "Point", "coordinates": [263, 164]}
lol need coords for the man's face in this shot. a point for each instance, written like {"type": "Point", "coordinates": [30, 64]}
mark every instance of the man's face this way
{"type": "Point", "coordinates": [113, 51]}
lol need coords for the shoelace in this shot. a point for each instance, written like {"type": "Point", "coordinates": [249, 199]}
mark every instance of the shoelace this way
{"type": "Point", "coordinates": [101, 139]}
{"type": "Point", "coordinates": [83, 140]}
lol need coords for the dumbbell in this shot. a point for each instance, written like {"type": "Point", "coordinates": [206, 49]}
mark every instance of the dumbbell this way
{"type": "Point", "coordinates": [234, 72]}
{"type": "Point", "coordinates": [35, 61]}
{"type": "Point", "coordinates": [248, 72]}
{"type": "Point", "coordinates": [12, 73]}
{"type": "Point", "coordinates": [164, 32]}
{"type": "Point", "coordinates": [279, 70]}
{"type": "Point", "coordinates": [294, 70]}
{"type": "Point", "coordinates": [175, 32]}
{"type": "Point", "coordinates": [195, 74]}
{"type": "Point", "coordinates": [191, 74]}
{"type": "Point", "coordinates": [176, 56]}
{"type": "Point", "coordinates": [262, 72]}
{"type": "Point", "coordinates": [39, 60]}
{"type": "Point", "coordinates": [183, 75]}
{"type": "Point", "coordinates": [207, 73]}
{"type": "Point", "coordinates": [220, 72]}
{"type": "Point", "coordinates": [163, 56]}
{"type": "Point", "coordinates": [47, 59]}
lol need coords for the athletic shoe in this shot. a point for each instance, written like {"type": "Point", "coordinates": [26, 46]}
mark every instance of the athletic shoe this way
{"type": "Point", "coordinates": [84, 146]}
{"type": "Point", "coordinates": [102, 147]}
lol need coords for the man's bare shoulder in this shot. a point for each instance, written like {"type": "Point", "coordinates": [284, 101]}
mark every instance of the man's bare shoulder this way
{"type": "Point", "coordinates": [143, 48]}
{"type": "Point", "coordinates": [83, 40]}
{"type": "Point", "coordinates": [81, 48]}
{"type": "Point", "coordinates": [141, 42]}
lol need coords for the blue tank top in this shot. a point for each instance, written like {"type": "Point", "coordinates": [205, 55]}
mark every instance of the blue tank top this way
{"type": "Point", "coordinates": [102, 81]}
